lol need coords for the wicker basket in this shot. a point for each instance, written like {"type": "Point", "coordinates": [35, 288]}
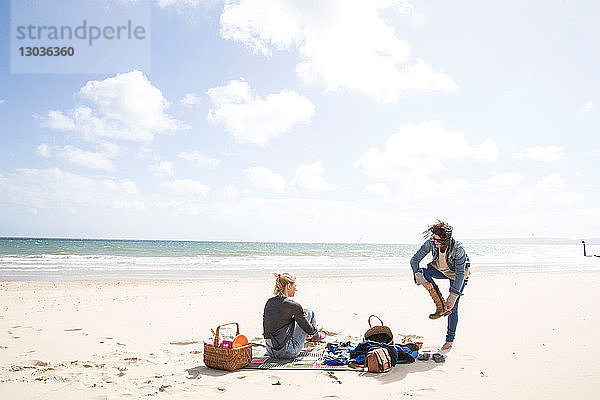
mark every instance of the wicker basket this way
{"type": "Point", "coordinates": [379, 333]}
{"type": "Point", "coordinates": [224, 358]}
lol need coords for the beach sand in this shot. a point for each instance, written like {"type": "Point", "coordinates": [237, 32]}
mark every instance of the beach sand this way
{"type": "Point", "coordinates": [520, 335]}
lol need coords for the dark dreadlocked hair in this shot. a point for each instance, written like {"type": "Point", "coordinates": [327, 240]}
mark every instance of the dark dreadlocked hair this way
{"type": "Point", "coordinates": [442, 229]}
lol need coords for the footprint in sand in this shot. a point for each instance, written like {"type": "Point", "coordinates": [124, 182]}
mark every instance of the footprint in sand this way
{"type": "Point", "coordinates": [334, 377]}
{"type": "Point", "coordinates": [26, 327]}
{"type": "Point", "coordinates": [193, 373]}
{"type": "Point", "coordinates": [418, 392]}
{"type": "Point", "coordinates": [39, 363]}
{"type": "Point", "coordinates": [184, 343]}
{"type": "Point", "coordinates": [276, 380]}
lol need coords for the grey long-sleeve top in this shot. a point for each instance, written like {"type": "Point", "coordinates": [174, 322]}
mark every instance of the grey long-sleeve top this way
{"type": "Point", "coordinates": [279, 318]}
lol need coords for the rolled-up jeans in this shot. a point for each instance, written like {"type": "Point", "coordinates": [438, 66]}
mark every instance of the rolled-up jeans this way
{"type": "Point", "coordinates": [294, 346]}
{"type": "Point", "coordinates": [430, 273]}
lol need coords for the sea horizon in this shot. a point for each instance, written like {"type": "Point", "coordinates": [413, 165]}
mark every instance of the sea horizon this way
{"type": "Point", "coordinates": [503, 240]}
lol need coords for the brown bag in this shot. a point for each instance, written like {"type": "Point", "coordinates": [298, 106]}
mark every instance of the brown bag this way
{"type": "Point", "coordinates": [378, 360]}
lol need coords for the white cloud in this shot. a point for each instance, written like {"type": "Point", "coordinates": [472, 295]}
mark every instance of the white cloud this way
{"type": "Point", "coordinates": [421, 150]}
{"type": "Point", "coordinates": [122, 186]}
{"type": "Point", "coordinates": [418, 18]}
{"type": "Point", "coordinates": [588, 106]}
{"type": "Point", "coordinates": [187, 5]}
{"type": "Point", "coordinates": [126, 107]}
{"type": "Point", "coordinates": [256, 120]}
{"type": "Point", "coordinates": [309, 178]}
{"type": "Point", "coordinates": [129, 204]}
{"type": "Point", "coordinates": [505, 180]}
{"type": "Point", "coordinates": [549, 188]}
{"type": "Point", "coordinates": [2, 101]}
{"type": "Point", "coordinates": [539, 153]}
{"type": "Point", "coordinates": [200, 160]}
{"type": "Point", "coordinates": [187, 187]}
{"type": "Point", "coordinates": [378, 189]}
{"type": "Point", "coordinates": [343, 44]}
{"type": "Point", "coordinates": [453, 187]}
{"type": "Point", "coordinates": [191, 100]}
{"type": "Point", "coordinates": [163, 169]}
{"type": "Point", "coordinates": [416, 153]}
{"type": "Point", "coordinates": [566, 198]}
{"type": "Point", "coordinates": [313, 220]}
{"type": "Point", "coordinates": [84, 158]}
{"type": "Point", "coordinates": [231, 192]}
{"type": "Point", "coordinates": [43, 150]}
{"type": "Point", "coordinates": [263, 178]}
{"type": "Point", "coordinates": [56, 189]}
{"type": "Point", "coordinates": [186, 207]}
{"type": "Point", "coordinates": [179, 3]}
{"type": "Point", "coordinates": [146, 152]}
{"type": "Point", "coordinates": [59, 121]}
{"type": "Point", "coordinates": [110, 150]}
{"type": "Point", "coordinates": [551, 182]}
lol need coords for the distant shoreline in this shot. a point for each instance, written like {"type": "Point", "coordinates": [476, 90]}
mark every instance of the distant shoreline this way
{"type": "Point", "coordinates": [525, 241]}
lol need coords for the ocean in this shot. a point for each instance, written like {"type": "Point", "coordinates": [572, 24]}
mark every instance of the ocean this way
{"type": "Point", "coordinates": [35, 259]}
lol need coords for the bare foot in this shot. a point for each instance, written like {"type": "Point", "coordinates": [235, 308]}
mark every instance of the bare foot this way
{"type": "Point", "coordinates": [318, 337]}
{"type": "Point", "coordinates": [446, 346]}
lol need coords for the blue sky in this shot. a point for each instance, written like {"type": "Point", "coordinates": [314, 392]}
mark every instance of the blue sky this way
{"type": "Point", "coordinates": [315, 121]}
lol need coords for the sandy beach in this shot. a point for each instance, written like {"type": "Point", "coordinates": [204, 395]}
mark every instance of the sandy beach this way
{"type": "Point", "coordinates": [520, 335]}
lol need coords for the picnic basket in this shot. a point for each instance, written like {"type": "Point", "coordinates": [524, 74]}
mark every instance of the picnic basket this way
{"type": "Point", "coordinates": [224, 358]}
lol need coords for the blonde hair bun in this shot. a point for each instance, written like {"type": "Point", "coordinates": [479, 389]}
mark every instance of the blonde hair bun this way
{"type": "Point", "coordinates": [281, 281]}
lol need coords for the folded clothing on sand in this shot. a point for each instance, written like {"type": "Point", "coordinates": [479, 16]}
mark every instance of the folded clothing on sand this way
{"type": "Point", "coordinates": [341, 355]}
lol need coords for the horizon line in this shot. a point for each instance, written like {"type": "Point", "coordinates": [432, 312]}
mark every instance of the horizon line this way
{"type": "Point", "coordinates": [522, 238]}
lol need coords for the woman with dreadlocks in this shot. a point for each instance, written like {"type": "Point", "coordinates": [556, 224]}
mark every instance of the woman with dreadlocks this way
{"type": "Point", "coordinates": [450, 261]}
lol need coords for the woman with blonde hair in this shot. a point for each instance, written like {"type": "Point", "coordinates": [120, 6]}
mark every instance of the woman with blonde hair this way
{"type": "Point", "coordinates": [286, 324]}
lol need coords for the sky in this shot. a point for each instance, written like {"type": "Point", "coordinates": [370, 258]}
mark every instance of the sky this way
{"type": "Point", "coordinates": [313, 121]}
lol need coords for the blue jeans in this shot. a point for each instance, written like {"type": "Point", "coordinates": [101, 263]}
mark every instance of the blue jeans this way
{"type": "Point", "coordinates": [294, 346]}
{"type": "Point", "coordinates": [430, 273]}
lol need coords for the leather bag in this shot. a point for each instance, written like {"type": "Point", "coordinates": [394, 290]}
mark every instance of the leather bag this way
{"type": "Point", "coordinates": [378, 360]}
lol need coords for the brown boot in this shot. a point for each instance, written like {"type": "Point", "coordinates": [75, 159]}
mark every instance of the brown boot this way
{"type": "Point", "coordinates": [438, 299]}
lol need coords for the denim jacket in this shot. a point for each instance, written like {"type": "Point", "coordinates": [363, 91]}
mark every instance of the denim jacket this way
{"type": "Point", "coordinates": [456, 258]}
